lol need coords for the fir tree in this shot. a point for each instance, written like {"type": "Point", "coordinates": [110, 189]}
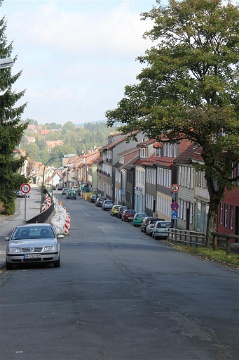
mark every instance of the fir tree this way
{"type": "Point", "coordinates": [11, 129]}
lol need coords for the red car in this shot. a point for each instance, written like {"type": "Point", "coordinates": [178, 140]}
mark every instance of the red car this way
{"type": "Point", "coordinates": [128, 215]}
{"type": "Point", "coordinates": [120, 212]}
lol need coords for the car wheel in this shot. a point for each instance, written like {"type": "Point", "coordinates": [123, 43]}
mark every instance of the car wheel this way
{"type": "Point", "coordinates": [57, 263]}
{"type": "Point", "coordinates": [9, 266]}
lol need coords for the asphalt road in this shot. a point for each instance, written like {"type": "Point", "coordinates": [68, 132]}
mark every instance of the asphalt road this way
{"type": "Point", "coordinates": [119, 295]}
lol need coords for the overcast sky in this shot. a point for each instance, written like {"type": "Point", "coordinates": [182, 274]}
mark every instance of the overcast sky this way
{"type": "Point", "coordinates": [76, 56]}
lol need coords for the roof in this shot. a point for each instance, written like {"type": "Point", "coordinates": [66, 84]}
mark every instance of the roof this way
{"type": "Point", "coordinates": [156, 161]}
{"type": "Point", "coordinates": [193, 152]}
{"type": "Point", "coordinates": [146, 143]}
{"type": "Point", "coordinates": [110, 146]}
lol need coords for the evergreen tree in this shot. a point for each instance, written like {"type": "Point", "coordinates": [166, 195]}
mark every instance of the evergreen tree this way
{"type": "Point", "coordinates": [11, 129]}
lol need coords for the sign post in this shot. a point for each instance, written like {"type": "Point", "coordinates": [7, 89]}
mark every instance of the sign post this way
{"type": "Point", "coordinates": [174, 205]}
{"type": "Point", "coordinates": [25, 188]}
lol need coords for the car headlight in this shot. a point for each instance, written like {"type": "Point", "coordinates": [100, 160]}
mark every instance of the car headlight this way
{"type": "Point", "coordinates": [14, 250]}
{"type": "Point", "coordinates": [49, 248]}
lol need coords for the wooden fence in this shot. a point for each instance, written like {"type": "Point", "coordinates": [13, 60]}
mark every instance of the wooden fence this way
{"type": "Point", "coordinates": [194, 238]}
{"type": "Point", "coordinates": [191, 238]}
{"type": "Point", "coordinates": [224, 240]}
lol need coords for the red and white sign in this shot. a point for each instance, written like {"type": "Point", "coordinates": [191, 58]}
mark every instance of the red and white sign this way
{"type": "Point", "coordinates": [25, 188]}
{"type": "Point", "coordinates": [174, 188]}
{"type": "Point", "coordinates": [174, 206]}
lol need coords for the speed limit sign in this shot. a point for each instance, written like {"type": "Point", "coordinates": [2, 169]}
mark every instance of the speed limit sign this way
{"type": "Point", "coordinates": [25, 188]}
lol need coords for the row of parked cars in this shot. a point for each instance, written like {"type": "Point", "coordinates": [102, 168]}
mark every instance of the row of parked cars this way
{"type": "Point", "coordinates": [152, 226]}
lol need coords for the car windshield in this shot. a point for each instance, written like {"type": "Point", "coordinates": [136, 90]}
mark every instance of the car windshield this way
{"type": "Point", "coordinates": [141, 215]}
{"type": "Point", "coordinates": [153, 221]}
{"type": "Point", "coordinates": [165, 224]}
{"type": "Point", "coordinates": [34, 232]}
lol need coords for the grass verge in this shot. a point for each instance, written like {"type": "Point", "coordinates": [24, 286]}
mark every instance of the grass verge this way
{"type": "Point", "coordinates": [207, 253]}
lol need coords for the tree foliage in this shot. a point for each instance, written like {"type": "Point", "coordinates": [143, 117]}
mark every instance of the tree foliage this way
{"type": "Point", "coordinates": [11, 128]}
{"type": "Point", "coordinates": [189, 87]}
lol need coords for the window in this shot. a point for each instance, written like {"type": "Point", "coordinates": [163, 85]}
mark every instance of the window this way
{"type": "Point", "coordinates": [220, 213]}
{"type": "Point", "coordinates": [225, 214]}
{"type": "Point", "coordinates": [170, 150]}
{"type": "Point", "coordinates": [158, 152]}
{"type": "Point", "coordinates": [231, 218]}
{"type": "Point", "coordinates": [129, 177]}
{"type": "Point", "coordinates": [237, 173]}
{"type": "Point", "coordinates": [143, 153]}
{"type": "Point", "coordinates": [149, 201]}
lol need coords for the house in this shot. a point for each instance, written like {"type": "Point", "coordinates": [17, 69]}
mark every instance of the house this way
{"type": "Point", "coordinates": [142, 166]}
{"type": "Point", "coordinates": [160, 174]}
{"type": "Point", "coordinates": [109, 156]}
{"type": "Point", "coordinates": [125, 177]}
{"type": "Point", "coordinates": [228, 211]}
{"type": "Point", "coordinates": [193, 196]}
{"type": "Point", "coordinates": [30, 139]}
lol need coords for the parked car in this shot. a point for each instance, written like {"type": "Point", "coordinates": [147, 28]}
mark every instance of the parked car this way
{"type": "Point", "coordinates": [120, 212]}
{"type": "Point", "coordinates": [71, 194]}
{"type": "Point", "coordinates": [20, 194]}
{"type": "Point", "coordinates": [114, 210]}
{"type": "Point", "coordinates": [93, 198]}
{"type": "Point", "coordinates": [75, 188]}
{"type": "Point", "coordinates": [145, 223]}
{"type": "Point", "coordinates": [33, 243]}
{"type": "Point", "coordinates": [150, 226]}
{"type": "Point", "coordinates": [160, 229]}
{"type": "Point", "coordinates": [64, 191]}
{"type": "Point", "coordinates": [59, 187]}
{"type": "Point", "coordinates": [138, 218]}
{"type": "Point", "coordinates": [128, 215]}
{"type": "Point", "coordinates": [99, 201]}
{"type": "Point", "coordinates": [107, 205]}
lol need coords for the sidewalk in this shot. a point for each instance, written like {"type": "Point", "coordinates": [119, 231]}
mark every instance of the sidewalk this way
{"type": "Point", "coordinates": [8, 223]}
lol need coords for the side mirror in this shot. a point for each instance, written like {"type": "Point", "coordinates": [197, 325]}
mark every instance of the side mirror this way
{"type": "Point", "coordinates": [60, 236]}
{"type": "Point", "coordinates": [7, 238]}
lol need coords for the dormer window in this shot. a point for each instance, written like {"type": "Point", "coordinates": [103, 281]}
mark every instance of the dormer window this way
{"type": "Point", "coordinates": [170, 150]}
{"type": "Point", "coordinates": [158, 151]}
{"type": "Point", "coordinates": [143, 153]}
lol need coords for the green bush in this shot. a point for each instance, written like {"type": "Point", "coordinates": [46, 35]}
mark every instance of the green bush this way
{"type": "Point", "coordinates": [10, 207]}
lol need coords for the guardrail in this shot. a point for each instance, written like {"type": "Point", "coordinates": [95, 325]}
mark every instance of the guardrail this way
{"type": "Point", "coordinates": [41, 218]}
{"type": "Point", "coordinates": [191, 238]}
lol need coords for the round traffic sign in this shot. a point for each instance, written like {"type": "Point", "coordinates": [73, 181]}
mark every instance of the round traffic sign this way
{"type": "Point", "coordinates": [174, 187]}
{"type": "Point", "coordinates": [25, 188]}
{"type": "Point", "coordinates": [174, 206]}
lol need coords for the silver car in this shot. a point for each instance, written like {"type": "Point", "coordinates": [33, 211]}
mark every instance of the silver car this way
{"type": "Point", "coordinates": [33, 243]}
{"type": "Point", "coordinates": [160, 229]}
{"type": "Point", "coordinates": [107, 205]}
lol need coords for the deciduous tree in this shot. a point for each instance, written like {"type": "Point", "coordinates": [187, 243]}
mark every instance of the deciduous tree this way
{"type": "Point", "coordinates": [189, 87]}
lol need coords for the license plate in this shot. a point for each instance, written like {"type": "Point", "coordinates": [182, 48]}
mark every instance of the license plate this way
{"type": "Point", "coordinates": [130, 217]}
{"type": "Point", "coordinates": [32, 256]}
